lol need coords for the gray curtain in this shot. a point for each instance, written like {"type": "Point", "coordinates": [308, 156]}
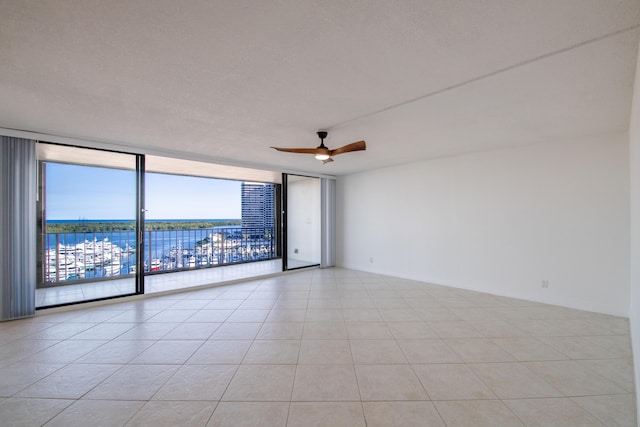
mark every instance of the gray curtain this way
{"type": "Point", "coordinates": [17, 227]}
{"type": "Point", "coordinates": [328, 222]}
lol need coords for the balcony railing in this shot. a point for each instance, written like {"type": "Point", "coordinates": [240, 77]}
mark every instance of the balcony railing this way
{"type": "Point", "coordinates": [73, 257]}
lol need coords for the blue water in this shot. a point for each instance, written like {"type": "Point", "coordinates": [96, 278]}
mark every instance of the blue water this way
{"type": "Point", "coordinates": [159, 244]}
{"type": "Point", "coordinates": [162, 240]}
{"type": "Point", "coordinates": [72, 221]}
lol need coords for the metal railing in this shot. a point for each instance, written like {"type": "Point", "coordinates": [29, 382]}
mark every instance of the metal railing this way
{"type": "Point", "coordinates": [89, 256]}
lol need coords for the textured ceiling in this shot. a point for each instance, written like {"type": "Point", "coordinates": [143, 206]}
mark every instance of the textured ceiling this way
{"type": "Point", "coordinates": [225, 80]}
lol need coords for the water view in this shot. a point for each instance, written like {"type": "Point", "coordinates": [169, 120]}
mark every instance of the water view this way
{"type": "Point", "coordinates": [80, 250]}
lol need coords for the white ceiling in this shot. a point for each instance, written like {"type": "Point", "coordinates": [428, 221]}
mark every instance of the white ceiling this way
{"type": "Point", "coordinates": [225, 80]}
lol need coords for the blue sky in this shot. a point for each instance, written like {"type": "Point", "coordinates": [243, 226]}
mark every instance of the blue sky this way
{"type": "Point", "coordinates": [86, 192]}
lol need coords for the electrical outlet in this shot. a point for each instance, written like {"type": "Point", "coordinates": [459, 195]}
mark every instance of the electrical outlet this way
{"type": "Point", "coordinates": [371, 260]}
{"type": "Point", "coordinates": [545, 283]}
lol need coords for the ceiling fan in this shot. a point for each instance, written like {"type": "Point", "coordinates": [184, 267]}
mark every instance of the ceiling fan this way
{"type": "Point", "coordinates": [322, 153]}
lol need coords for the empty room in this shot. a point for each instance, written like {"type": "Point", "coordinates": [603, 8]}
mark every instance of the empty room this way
{"type": "Point", "coordinates": [338, 213]}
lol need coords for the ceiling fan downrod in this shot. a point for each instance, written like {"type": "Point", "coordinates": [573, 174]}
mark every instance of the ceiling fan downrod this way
{"type": "Point", "coordinates": [322, 134]}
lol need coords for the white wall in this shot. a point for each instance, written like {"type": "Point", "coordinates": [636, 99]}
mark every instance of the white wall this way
{"type": "Point", "coordinates": [499, 222]}
{"type": "Point", "coordinates": [634, 156]}
{"type": "Point", "coordinates": [303, 226]}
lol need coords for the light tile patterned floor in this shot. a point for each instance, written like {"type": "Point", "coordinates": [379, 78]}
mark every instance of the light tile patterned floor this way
{"type": "Point", "coordinates": [318, 347]}
{"type": "Point", "coordinates": [154, 283]}
{"type": "Point", "coordinates": [161, 282]}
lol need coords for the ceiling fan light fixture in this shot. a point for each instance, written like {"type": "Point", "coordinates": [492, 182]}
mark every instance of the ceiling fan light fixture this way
{"type": "Point", "coordinates": [321, 152]}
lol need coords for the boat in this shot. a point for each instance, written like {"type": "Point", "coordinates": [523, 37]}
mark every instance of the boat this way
{"type": "Point", "coordinates": [156, 264]}
{"type": "Point", "coordinates": [112, 270]}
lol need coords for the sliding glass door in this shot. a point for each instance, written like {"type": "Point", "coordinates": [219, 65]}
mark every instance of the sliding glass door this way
{"type": "Point", "coordinates": [89, 214]}
{"type": "Point", "coordinates": [303, 222]}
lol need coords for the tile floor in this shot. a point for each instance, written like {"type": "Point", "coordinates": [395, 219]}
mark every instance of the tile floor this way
{"type": "Point", "coordinates": [154, 283]}
{"type": "Point", "coordinates": [71, 293]}
{"type": "Point", "coordinates": [318, 347]}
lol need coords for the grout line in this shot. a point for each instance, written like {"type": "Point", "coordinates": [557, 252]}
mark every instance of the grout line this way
{"type": "Point", "coordinates": [318, 287]}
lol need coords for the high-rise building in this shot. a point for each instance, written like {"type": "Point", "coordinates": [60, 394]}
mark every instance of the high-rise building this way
{"type": "Point", "coordinates": [258, 205]}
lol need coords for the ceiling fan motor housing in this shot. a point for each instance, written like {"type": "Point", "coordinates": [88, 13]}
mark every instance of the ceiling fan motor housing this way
{"type": "Point", "coordinates": [322, 134]}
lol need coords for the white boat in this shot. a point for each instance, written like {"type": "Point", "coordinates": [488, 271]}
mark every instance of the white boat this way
{"type": "Point", "coordinates": [112, 270]}
{"type": "Point", "coordinates": [156, 264]}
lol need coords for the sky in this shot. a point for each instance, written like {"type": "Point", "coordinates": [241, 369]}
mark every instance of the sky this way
{"type": "Point", "coordinates": [86, 192]}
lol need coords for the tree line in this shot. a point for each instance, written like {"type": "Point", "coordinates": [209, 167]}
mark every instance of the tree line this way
{"type": "Point", "coordinates": [101, 227]}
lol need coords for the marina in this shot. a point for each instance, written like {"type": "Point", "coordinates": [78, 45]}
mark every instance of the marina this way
{"type": "Point", "coordinates": [93, 255]}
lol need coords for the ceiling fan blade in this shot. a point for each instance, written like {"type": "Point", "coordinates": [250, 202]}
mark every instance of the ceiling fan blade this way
{"type": "Point", "coordinates": [354, 146]}
{"type": "Point", "coordinates": [302, 150]}
{"type": "Point", "coordinates": [324, 162]}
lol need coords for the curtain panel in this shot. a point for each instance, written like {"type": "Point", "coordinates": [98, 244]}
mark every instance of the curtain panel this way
{"type": "Point", "coordinates": [18, 186]}
{"type": "Point", "coordinates": [328, 222]}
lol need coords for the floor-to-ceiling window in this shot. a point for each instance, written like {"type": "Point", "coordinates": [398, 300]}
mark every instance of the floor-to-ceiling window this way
{"type": "Point", "coordinates": [88, 207]}
{"type": "Point", "coordinates": [107, 220]}
{"type": "Point", "coordinates": [194, 222]}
